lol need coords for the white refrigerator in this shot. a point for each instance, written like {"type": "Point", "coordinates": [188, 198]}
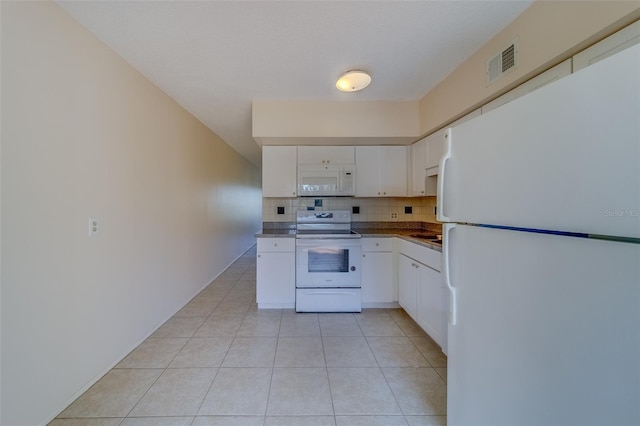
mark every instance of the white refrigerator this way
{"type": "Point", "coordinates": [542, 254]}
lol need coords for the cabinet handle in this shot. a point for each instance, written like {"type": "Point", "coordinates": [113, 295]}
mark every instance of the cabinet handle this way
{"type": "Point", "coordinates": [293, 193]}
{"type": "Point", "coordinates": [364, 255]}
{"type": "Point", "coordinates": [275, 244]}
{"type": "Point", "coordinates": [384, 193]}
{"type": "Point", "coordinates": [377, 244]}
{"type": "Point", "coordinates": [258, 255]}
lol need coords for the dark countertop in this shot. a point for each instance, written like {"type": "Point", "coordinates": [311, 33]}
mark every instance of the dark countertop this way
{"type": "Point", "coordinates": [276, 233]}
{"type": "Point", "coordinates": [405, 234]}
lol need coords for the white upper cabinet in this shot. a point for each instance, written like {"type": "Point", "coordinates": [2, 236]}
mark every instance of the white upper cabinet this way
{"type": "Point", "coordinates": [624, 38]}
{"type": "Point", "coordinates": [381, 171]}
{"type": "Point", "coordinates": [279, 171]}
{"type": "Point", "coordinates": [419, 167]}
{"type": "Point", "coordinates": [326, 155]}
{"type": "Point", "coordinates": [367, 171]}
{"type": "Point", "coordinates": [394, 170]}
{"type": "Point", "coordinates": [425, 158]}
{"type": "Point", "coordinates": [435, 148]}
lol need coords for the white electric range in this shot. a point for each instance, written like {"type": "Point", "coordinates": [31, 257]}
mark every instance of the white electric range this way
{"type": "Point", "coordinates": [328, 259]}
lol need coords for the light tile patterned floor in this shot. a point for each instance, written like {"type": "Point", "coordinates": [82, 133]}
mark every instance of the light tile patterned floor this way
{"type": "Point", "coordinates": [221, 361]}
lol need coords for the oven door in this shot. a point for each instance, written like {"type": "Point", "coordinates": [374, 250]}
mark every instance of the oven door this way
{"type": "Point", "coordinates": [323, 263]}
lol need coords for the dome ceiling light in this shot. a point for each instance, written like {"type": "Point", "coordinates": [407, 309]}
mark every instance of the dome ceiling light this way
{"type": "Point", "coordinates": [353, 80]}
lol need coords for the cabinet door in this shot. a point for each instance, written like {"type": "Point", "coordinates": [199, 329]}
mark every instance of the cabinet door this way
{"type": "Point", "coordinates": [407, 284]}
{"type": "Point", "coordinates": [435, 148]}
{"type": "Point", "coordinates": [419, 167]}
{"type": "Point", "coordinates": [326, 155]}
{"type": "Point", "coordinates": [429, 309]}
{"type": "Point", "coordinates": [393, 171]}
{"type": "Point", "coordinates": [367, 171]}
{"type": "Point", "coordinates": [275, 280]}
{"type": "Point", "coordinates": [279, 171]}
{"type": "Point", "coordinates": [377, 277]}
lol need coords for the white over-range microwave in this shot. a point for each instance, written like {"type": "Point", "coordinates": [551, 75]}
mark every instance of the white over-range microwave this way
{"type": "Point", "coordinates": [326, 180]}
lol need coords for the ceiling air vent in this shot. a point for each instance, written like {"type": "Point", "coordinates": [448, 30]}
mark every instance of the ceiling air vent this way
{"type": "Point", "coordinates": [503, 62]}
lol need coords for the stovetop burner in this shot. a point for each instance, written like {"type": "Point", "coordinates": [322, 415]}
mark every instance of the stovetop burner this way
{"type": "Point", "coordinates": [324, 224]}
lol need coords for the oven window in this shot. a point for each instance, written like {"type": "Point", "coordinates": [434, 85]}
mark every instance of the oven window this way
{"type": "Point", "coordinates": [328, 260]}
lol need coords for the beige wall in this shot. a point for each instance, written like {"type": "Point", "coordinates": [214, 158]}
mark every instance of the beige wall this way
{"type": "Point", "coordinates": [548, 31]}
{"type": "Point", "coordinates": [83, 134]}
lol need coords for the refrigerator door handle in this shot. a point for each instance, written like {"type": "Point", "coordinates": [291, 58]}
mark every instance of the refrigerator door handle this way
{"type": "Point", "coordinates": [443, 162]}
{"type": "Point", "coordinates": [446, 272]}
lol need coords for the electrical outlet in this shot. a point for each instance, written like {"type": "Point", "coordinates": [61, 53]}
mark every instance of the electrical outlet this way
{"type": "Point", "coordinates": [93, 226]}
{"type": "Point", "coordinates": [280, 210]}
{"type": "Point", "coordinates": [394, 216]}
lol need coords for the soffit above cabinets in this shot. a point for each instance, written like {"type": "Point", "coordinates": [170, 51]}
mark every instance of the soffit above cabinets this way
{"type": "Point", "coordinates": [335, 123]}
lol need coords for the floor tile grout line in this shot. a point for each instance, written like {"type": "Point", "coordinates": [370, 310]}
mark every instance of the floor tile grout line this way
{"type": "Point", "coordinates": [217, 369]}
{"type": "Point", "coordinates": [326, 369]}
{"type": "Point", "coordinates": [392, 392]}
{"type": "Point", "coordinates": [273, 369]}
{"type": "Point", "coordinates": [145, 392]}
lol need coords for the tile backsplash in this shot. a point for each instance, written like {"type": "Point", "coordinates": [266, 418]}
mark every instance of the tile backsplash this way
{"type": "Point", "coordinates": [419, 209]}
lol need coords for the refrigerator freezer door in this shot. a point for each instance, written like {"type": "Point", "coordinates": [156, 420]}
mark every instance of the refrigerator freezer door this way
{"type": "Point", "coordinates": [565, 157]}
{"type": "Point", "coordinates": [547, 329]}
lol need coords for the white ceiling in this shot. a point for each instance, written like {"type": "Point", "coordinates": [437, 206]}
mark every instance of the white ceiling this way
{"type": "Point", "coordinates": [215, 57]}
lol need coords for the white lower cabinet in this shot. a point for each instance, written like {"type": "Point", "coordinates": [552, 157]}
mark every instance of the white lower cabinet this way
{"type": "Point", "coordinates": [276, 273]}
{"type": "Point", "coordinates": [379, 287]}
{"type": "Point", "coordinates": [407, 284]}
{"type": "Point", "coordinates": [421, 291]}
{"type": "Point", "coordinates": [430, 311]}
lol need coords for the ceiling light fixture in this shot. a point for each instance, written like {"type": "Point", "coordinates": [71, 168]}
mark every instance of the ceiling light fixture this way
{"type": "Point", "coordinates": [353, 80]}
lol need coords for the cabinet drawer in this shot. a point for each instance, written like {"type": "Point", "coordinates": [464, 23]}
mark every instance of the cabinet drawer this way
{"type": "Point", "coordinates": [377, 244]}
{"type": "Point", "coordinates": [276, 244]}
{"type": "Point", "coordinates": [429, 257]}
